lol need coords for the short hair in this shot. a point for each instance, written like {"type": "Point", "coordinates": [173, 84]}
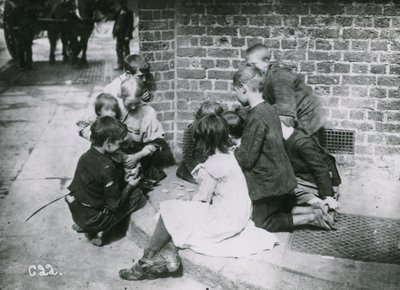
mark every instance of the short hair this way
{"type": "Point", "coordinates": [133, 87]}
{"type": "Point", "coordinates": [256, 47]}
{"type": "Point", "coordinates": [251, 76]}
{"type": "Point", "coordinates": [207, 108]}
{"type": "Point", "coordinates": [107, 127]}
{"type": "Point", "coordinates": [288, 121]}
{"type": "Point", "coordinates": [134, 63]}
{"type": "Point", "coordinates": [235, 123]}
{"type": "Point", "coordinates": [107, 99]}
{"type": "Point", "coordinates": [212, 130]}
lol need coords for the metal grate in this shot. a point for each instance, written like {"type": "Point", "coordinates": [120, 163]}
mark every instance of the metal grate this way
{"type": "Point", "coordinates": [56, 74]}
{"type": "Point", "coordinates": [358, 238]}
{"type": "Point", "coordinates": [337, 141]}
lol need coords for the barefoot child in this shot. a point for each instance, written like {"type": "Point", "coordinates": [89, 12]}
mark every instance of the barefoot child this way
{"type": "Point", "coordinates": [216, 222]}
{"type": "Point", "coordinates": [98, 196]}
{"type": "Point", "coordinates": [265, 164]}
{"type": "Point", "coordinates": [193, 150]}
{"type": "Point", "coordinates": [315, 170]}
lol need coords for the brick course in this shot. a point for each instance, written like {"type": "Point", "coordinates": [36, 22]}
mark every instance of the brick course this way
{"type": "Point", "coordinates": [348, 51]}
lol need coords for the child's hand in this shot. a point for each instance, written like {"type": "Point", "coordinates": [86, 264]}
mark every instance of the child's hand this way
{"type": "Point", "coordinates": [235, 141]}
{"type": "Point", "coordinates": [132, 172]}
{"type": "Point", "coordinates": [132, 180]}
{"type": "Point", "coordinates": [82, 123]}
{"type": "Point", "coordinates": [131, 160]}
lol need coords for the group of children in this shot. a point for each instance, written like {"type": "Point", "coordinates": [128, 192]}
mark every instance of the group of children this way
{"type": "Point", "coordinates": [258, 171]}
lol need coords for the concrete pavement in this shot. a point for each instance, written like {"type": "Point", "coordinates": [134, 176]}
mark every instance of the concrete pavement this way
{"type": "Point", "coordinates": [39, 148]}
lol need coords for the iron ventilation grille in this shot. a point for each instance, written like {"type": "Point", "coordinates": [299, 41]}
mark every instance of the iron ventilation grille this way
{"type": "Point", "coordinates": [361, 238]}
{"type": "Point", "coordinates": [337, 141]}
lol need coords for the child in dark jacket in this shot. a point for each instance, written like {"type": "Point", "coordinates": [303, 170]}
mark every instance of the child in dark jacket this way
{"type": "Point", "coordinates": [286, 91]}
{"type": "Point", "coordinates": [99, 196]}
{"type": "Point", "coordinates": [193, 150]}
{"type": "Point", "coordinates": [265, 164]}
{"type": "Point", "coordinates": [122, 31]}
{"type": "Point", "coordinates": [316, 172]}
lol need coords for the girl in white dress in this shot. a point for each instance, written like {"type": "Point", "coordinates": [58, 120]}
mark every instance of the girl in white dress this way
{"type": "Point", "coordinates": [216, 222]}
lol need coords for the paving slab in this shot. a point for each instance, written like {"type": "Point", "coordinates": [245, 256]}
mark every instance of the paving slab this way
{"type": "Point", "coordinates": [52, 161]}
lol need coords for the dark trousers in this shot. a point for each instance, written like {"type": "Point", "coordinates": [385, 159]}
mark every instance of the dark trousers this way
{"type": "Point", "coordinates": [122, 49]}
{"type": "Point", "coordinates": [94, 220]}
{"type": "Point", "coordinates": [24, 39]}
{"type": "Point", "coordinates": [273, 213]}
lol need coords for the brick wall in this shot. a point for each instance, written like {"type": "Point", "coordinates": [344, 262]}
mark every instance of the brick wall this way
{"type": "Point", "coordinates": [157, 44]}
{"type": "Point", "coordinates": [349, 51]}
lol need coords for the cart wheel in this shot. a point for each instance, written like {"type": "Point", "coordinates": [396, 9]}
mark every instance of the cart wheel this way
{"type": "Point", "coordinates": [8, 33]}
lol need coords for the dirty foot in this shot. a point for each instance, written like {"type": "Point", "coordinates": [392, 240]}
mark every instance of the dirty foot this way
{"type": "Point", "coordinates": [319, 221]}
{"type": "Point", "coordinates": [77, 228]}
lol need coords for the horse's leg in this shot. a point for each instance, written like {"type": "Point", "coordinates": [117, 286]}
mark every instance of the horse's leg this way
{"type": "Point", "coordinates": [28, 49]}
{"type": "Point", "coordinates": [64, 40]}
{"type": "Point", "coordinates": [52, 35]}
{"type": "Point", "coordinates": [84, 41]}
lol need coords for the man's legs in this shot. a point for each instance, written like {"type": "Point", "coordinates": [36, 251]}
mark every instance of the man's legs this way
{"type": "Point", "coordinates": [120, 56]}
{"type": "Point", "coordinates": [125, 48]}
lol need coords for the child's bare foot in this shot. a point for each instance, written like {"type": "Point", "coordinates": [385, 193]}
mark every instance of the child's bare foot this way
{"type": "Point", "coordinates": [97, 240]}
{"type": "Point", "coordinates": [319, 221]}
{"type": "Point", "coordinates": [77, 228]}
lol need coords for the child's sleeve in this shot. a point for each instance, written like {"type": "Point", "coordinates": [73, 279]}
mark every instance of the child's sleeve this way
{"type": "Point", "coordinates": [284, 95]}
{"type": "Point", "coordinates": [207, 185]}
{"type": "Point", "coordinates": [152, 131]}
{"type": "Point", "coordinates": [251, 144]}
{"type": "Point", "coordinates": [188, 147]}
{"type": "Point", "coordinates": [314, 159]}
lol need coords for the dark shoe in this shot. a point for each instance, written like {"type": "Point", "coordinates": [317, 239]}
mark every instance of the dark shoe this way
{"type": "Point", "coordinates": [167, 258]}
{"type": "Point", "coordinates": [172, 260]}
{"type": "Point", "coordinates": [147, 269]}
{"type": "Point", "coordinates": [133, 274]}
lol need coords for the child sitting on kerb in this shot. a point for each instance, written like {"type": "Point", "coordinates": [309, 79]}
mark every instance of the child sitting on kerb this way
{"type": "Point", "coordinates": [216, 222]}
{"type": "Point", "coordinates": [316, 172]}
{"type": "Point", "coordinates": [135, 66]}
{"type": "Point", "coordinates": [193, 149]}
{"type": "Point", "coordinates": [145, 141]}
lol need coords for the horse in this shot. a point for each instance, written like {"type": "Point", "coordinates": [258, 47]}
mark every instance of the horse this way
{"type": "Point", "coordinates": [81, 16]}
